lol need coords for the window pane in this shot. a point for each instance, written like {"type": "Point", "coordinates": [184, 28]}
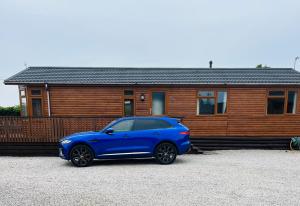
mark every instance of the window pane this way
{"type": "Point", "coordinates": [128, 107]}
{"type": "Point", "coordinates": [206, 106]}
{"type": "Point", "coordinates": [36, 107]}
{"type": "Point", "coordinates": [123, 126]}
{"type": "Point", "coordinates": [145, 124]}
{"type": "Point", "coordinates": [23, 107]}
{"type": "Point", "coordinates": [222, 102]}
{"type": "Point", "coordinates": [206, 93]}
{"type": "Point", "coordinates": [158, 103]}
{"type": "Point", "coordinates": [22, 92]}
{"type": "Point", "coordinates": [292, 102]}
{"type": "Point", "coordinates": [275, 106]}
{"type": "Point", "coordinates": [36, 92]}
{"type": "Point", "coordinates": [128, 92]}
{"type": "Point", "coordinates": [276, 93]}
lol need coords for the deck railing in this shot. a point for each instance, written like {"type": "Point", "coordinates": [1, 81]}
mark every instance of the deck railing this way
{"type": "Point", "coordinates": [44, 129]}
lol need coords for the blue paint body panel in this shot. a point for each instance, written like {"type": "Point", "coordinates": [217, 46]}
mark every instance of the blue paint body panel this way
{"type": "Point", "coordinates": [129, 144]}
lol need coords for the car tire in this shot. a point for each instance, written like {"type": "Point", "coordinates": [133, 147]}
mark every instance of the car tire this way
{"type": "Point", "coordinates": [165, 153]}
{"type": "Point", "coordinates": [81, 155]}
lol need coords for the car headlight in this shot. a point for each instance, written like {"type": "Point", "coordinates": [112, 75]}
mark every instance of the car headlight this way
{"type": "Point", "coordinates": [66, 141]}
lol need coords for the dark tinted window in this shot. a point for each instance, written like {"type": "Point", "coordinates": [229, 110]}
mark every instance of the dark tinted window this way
{"type": "Point", "coordinates": [276, 93]}
{"type": "Point", "coordinates": [128, 92]}
{"type": "Point", "coordinates": [275, 106]}
{"type": "Point", "coordinates": [123, 126]}
{"type": "Point", "coordinates": [145, 124]}
{"type": "Point", "coordinates": [206, 106]}
{"type": "Point", "coordinates": [36, 92]}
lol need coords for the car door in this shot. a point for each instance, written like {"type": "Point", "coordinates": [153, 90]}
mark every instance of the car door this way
{"type": "Point", "coordinates": [115, 143]}
{"type": "Point", "coordinates": [146, 134]}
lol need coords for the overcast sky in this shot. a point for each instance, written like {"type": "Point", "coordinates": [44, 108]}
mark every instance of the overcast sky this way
{"type": "Point", "coordinates": [168, 33]}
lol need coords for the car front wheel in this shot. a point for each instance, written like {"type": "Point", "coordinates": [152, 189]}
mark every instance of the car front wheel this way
{"type": "Point", "coordinates": [81, 156]}
{"type": "Point", "coordinates": [165, 153]}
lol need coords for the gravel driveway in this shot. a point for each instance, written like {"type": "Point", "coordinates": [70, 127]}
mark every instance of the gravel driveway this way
{"type": "Point", "coordinates": [241, 177]}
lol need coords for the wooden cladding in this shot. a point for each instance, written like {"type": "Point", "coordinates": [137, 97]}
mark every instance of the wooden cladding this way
{"type": "Point", "coordinates": [245, 116]}
{"type": "Point", "coordinates": [86, 101]}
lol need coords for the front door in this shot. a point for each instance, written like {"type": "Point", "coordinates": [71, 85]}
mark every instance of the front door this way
{"type": "Point", "coordinates": [128, 107]}
{"type": "Point", "coordinates": [128, 104]}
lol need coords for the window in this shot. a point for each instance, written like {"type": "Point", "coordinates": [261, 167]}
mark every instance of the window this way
{"type": "Point", "coordinates": [128, 92]}
{"type": "Point", "coordinates": [23, 101]}
{"type": "Point", "coordinates": [35, 92]}
{"type": "Point", "coordinates": [222, 102]}
{"type": "Point", "coordinates": [36, 107]}
{"type": "Point", "coordinates": [22, 92]}
{"type": "Point", "coordinates": [123, 126]}
{"type": "Point", "coordinates": [276, 106]}
{"type": "Point", "coordinates": [212, 102]}
{"type": "Point", "coordinates": [145, 124]}
{"type": "Point", "coordinates": [292, 99]}
{"type": "Point", "coordinates": [23, 107]}
{"type": "Point", "coordinates": [281, 101]}
{"type": "Point", "coordinates": [158, 103]}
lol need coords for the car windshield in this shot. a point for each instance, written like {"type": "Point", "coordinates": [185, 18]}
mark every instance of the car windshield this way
{"type": "Point", "coordinates": [109, 125]}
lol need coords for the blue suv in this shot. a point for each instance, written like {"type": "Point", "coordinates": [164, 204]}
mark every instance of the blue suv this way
{"type": "Point", "coordinates": [130, 137]}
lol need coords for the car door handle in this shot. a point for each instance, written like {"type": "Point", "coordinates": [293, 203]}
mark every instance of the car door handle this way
{"type": "Point", "coordinates": [125, 135]}
{"type": "Point", "coordinates": [155, 133]}
{"type": "Point", "coordinates": [94, 140]}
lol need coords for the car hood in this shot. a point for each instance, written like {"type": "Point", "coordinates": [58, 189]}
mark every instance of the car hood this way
{"type": "Point", "coordinates": [81, 135]}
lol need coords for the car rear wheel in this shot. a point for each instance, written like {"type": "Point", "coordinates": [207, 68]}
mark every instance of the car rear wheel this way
{"type": "Point", "coordinates": [165, 153]}
{"type": "Point", "coordinates": [81, 156]}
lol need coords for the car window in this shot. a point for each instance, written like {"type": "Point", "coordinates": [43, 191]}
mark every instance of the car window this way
{"type": "Point", "coordinates": [145, 124]}
{"type": "Point", "coordinates": [123, 126]}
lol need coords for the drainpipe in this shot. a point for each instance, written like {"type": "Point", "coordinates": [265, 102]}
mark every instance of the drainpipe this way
{"type": "Point", "coordinates": [48, 100]}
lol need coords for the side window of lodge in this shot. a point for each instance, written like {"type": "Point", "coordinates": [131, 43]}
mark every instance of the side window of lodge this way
{"type": "Point", "coordinates": [281, 102]}
{"type": "Point", "coordinates": [210, 102]}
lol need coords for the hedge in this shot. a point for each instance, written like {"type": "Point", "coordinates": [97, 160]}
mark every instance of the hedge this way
{"type": "Point", "coordinates": [10, 111]}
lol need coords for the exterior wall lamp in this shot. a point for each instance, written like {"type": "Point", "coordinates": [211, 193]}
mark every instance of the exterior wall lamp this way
{"type": "Point", "coordinates": [142, 97]}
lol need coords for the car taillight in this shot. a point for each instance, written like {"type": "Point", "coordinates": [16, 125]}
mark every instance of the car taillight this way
{"type": "Point", "coordinates": [185, 133]}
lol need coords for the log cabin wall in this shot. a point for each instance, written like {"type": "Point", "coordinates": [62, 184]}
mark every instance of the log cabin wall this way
{"type": "Point", "coordinates": [245, 117]}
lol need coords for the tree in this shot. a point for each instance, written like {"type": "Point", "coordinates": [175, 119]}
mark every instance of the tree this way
{"type": "Point", "coordinates": [261, 66]}
{"type": "Point", "coordinates": [10, 111]}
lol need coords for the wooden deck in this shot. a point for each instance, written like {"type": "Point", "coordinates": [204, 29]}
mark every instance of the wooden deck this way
{"type": "Point", "coordinates": [30, 129]}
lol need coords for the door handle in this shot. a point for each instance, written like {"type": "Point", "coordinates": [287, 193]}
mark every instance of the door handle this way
{"type": "Point", "coordinates": [155, 133]}
{"type": "Point", "coordinates": [94, 140]}
{"type": "Point", "coordinates": [125, 135]}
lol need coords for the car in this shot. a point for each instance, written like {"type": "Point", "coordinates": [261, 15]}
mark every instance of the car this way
{"type": "Point", "coordinates": [130, 137]}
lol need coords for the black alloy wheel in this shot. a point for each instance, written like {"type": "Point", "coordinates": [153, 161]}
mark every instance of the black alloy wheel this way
{"type": "Point", "coordinates": [81, 156]}
{"type": "Point", "coordinates": [165, 153]}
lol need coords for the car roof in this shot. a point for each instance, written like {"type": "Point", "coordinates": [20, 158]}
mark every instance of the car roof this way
{"type": "Point", "coordinates": [147, 117]}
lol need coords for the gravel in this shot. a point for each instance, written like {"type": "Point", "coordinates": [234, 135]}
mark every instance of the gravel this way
{"type": "Point", "coordinates": [241, 177]}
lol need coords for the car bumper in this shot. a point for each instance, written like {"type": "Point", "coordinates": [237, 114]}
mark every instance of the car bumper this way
{"type": "Point", "coordinates": [184, 147]}
{"type": "Point", "coordinates": [63, 152]}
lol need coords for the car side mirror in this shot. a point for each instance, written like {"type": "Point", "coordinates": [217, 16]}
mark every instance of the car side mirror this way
{"type": "Point", "coordinates": [109, 131]}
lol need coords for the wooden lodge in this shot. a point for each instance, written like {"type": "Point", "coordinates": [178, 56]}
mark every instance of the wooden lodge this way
{"type": "Point", "coordinates": [215, 103]}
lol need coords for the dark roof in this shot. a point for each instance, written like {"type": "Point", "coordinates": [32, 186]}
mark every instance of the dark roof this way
{"type": "Point", "coordinates": [157, 76]}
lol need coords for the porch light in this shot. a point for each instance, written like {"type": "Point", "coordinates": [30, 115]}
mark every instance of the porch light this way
{"type": "Point", "coordinates": [142, 97]}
